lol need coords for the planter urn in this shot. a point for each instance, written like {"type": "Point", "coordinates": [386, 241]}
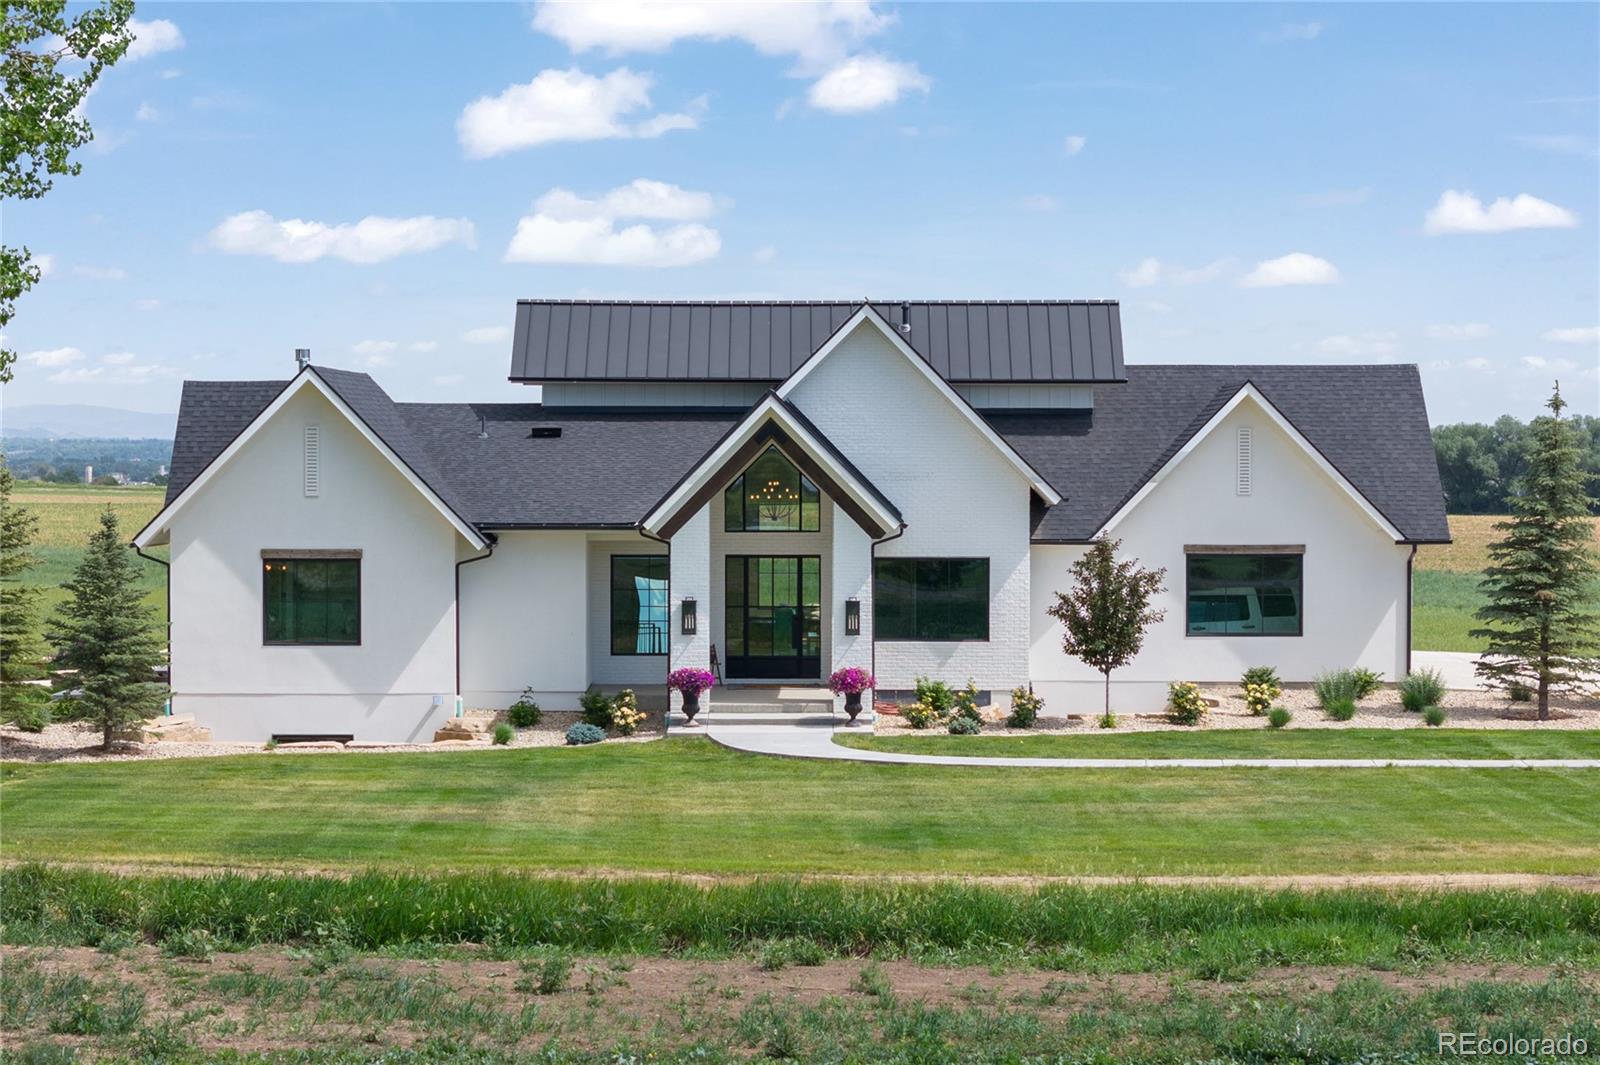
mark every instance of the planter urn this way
{"type": "Point", "coordinates": [852, 705]}
{"type": "Point", "coordinates": [691, 705]}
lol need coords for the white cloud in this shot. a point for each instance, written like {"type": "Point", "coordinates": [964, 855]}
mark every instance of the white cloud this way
{"type": "Point", "coordinates": [1381, 343]}
{"type": "Point", "coordinates": [54, 357]}
{"type": "Point", "coordinates": [1337, 197]}
{"type": "Point", "coordinates": [765, 254]}
{"type": "Point", "coordinates": [565, 105]}
{"type": "Point", "coordinates": [864, 83]}
{"type": "Point", "coordinates": [100, 273]}
{"type": "Point", "coordinates": [1151, 271]}
{"type": "Point", "coordinates": [1561, 144]}
{"type": "Point", "coordinates": [152, 38]}
{"type": "Point", "coordinates": [1291, 31]}
{"type": "Point", "coordinates": [1480, 364]}
{"type": "Point", "coordinates": [117, 368]}
{"type": "Point", "coordinates": [118, 358]}
{"type": "Point", "coordinates": [1296, 268]}
{"type": "Point", "coordinates": [1074, 144]}
{"type": "Point", "coordinates": [46, 264]}
{"type": "Point", "coordinates": [375, 347]}
{"type": "Point", "coordinates": [1040, 203]}
{"type": "Point", "coordinates": [1539, 362]}
{"type": "Point", "coordinates": [1462, 212]}
{"type": "Point", "coordinates": [423, 345]}
{"type": "Point", "coordinates": [371, 240]}
{"type": "Point", "coordinates": [567, 228]}
{"type": "Point", "coordinates": [1464, 331]}
{"type": "Point", "coordinates": [487, 334]}
{"type": "Point", "coordinates": [147, 113]}
{"type": "Point", "coordinates": [1582, 334]}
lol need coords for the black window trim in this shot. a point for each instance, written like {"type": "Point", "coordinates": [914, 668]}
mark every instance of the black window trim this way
{"type": "Point", "coordinates": [315, 555]}
{"type": "Point", "coordinates": [611, 585]}
{"type": "Point", "coordinates": [988, 599]}
{"type": "Point", "coordinates": [1249, 551]}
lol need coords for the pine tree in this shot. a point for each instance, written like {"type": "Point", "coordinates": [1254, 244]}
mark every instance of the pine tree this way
{"type": "Point", "coordinates": [108, 635]}
{"type": "Point", "coordinates": [1108, 609]}
{"type": "Point", "coordinates": [20, 647]}
{"type": "Point", "coordinates": [1540, 624]}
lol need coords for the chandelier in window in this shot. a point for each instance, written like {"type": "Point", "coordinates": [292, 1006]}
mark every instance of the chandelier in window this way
{"type": "Point", "coordinates": [775, 503]}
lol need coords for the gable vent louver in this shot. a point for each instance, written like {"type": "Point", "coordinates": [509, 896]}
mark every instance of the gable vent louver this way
{"type": "Point", "coordinates": [313, 461]}
{"type": "Point", "coordinates": [1246, 472]}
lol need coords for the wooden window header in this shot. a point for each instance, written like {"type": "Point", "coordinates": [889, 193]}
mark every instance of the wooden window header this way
{"type": "Point", "coordinates": [310, 552]}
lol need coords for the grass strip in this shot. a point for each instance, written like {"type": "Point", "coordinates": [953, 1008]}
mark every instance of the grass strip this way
{"type": "Point", "coordinates": [1125, 928]}
{"type": "Point", "coordinates": [1242, 743]}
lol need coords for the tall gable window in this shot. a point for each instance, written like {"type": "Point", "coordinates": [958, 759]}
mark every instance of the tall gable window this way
{"type": "Point", "coordinates": [311, 598]}
{"type": "Point", "coordinates": [639, 611]}
{"type": "Point", "coordinates": [771, 495]}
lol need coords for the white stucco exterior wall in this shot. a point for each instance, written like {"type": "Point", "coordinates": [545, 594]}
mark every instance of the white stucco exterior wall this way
{"type": "Point", "coordinates": [524, 621]}
{"type": "Point", "coordinates": [399, 683]}
{"type": "Point", "coordinates": [1355, 576]}
{"type": "Point", "coordinates": [958, 494]}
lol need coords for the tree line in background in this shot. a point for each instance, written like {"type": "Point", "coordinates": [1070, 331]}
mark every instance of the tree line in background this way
{"type": "Point", "coordinates": [1482, 466]}
{"type": "Point", "coordinates": [62, 461]}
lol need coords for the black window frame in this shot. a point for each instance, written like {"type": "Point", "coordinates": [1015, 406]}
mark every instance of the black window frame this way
{"type": "Point", "coordinates": [1245, 552]}
{"type": "Point", "coordinates": [267, 560]}
{"type": "Point", "coordinates": [919, 561]}
{"type": "Point", "coordinates": [611, 608]}
{"type": "Point", "coordinates": [742, 486]}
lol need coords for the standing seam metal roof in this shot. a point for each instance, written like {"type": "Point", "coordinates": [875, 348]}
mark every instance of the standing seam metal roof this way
{"type": "Point", "coordinates": [1059, 341]}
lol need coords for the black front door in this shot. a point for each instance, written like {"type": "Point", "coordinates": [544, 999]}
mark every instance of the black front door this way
{"type": "Point", "coordinates": [773, 616]}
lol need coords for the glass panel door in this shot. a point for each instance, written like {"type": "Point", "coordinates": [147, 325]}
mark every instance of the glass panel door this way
{"type": "Point", "coordinates": [773, 616]}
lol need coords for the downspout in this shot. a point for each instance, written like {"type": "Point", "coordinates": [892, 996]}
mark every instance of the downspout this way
{"type": "Point", "coordinates": [872, 569]}
{"type": "Point", "coordinates": [1410, 559]}
{"type": "Point", "coordinates": [666, 716]}
{"type": "Point", "coordinates": [164, 564]}
{"type": "Point", "coordinates": [493, 540]}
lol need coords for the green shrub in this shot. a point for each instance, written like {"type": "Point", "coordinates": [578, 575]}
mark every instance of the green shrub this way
{"type": "Point", "coordinates": [625, 713]}
{"type": "Point", "coordinates": [1341, 709]}
{"type": "Point", "coordinates": [1519, 692]}
{"type": "Point", "coordinates": [1422, 689]}
{"type": "Point", "coordinates": [962, 725]}
{"type": "Point", "coordinates": [1433, 716]}
{"type": "Point", "coordinates": [583, 733]}
{"type": "Point", "coordinates": [966, 704]}
{"type": "Point", "coordinates": [27, 707]}
{"type": "Point", "coordinates": [1184, 704]}
{"type": "Point", "coordinates": [1025, 707]}
{"type": "Point", "coordinates": [596, 709]}
{"type": "Point", "coordinates": [1332, 687]}
{"type": "Point", "coordinates": [1108, 720]}
{"type": "Point", "coordinates": [936, 695]}
{"type": "Point", "coordinates": [1261, 688]}
{"type": "Point", "coordinates": [503, 734]}
{"type": "Point", "coordinates": [1366, 682]}
{"type": "Point", "coordinates": [546, 975]}
{"type": "Point", "coordinates": [1261, 675]}
{"type": "Point", "coordinates": [524, 713]}
{"type": "Point", "coordinates": [919, 714]}
{"type": "Point", "coordinates": [1278, 717]}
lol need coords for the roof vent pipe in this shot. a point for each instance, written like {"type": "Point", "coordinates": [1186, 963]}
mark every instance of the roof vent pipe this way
{"type": "Point", "coordinates": [905, 318]}
{"type": "Point", "coordinates": [302, 358]}
{"type": "Point", "coordinates": [483, 427]}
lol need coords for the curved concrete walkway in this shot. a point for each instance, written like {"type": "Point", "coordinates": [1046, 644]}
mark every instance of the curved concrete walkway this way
{"type": "Point", "coordinates": [816, 741]}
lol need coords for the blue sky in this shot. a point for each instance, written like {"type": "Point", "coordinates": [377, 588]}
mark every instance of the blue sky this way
{"type": "Point", "coordinates": [1303, 184]}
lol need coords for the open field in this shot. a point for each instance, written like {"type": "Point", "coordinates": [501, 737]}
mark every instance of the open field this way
{"type": "Point", "coordinates": [685, 805]}
{"type": "Point", "coordinates": [1256, 743]}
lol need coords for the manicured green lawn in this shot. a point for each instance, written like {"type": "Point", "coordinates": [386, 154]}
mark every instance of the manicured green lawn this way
{"type": "Point", "coordinates": [1237, 743]}
{"type": "Point", "coordinates": [688, 806]}
{"type": "Point", "coordinates": [1443, 605]}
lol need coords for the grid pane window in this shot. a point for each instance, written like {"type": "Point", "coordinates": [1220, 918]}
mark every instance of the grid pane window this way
{"type": "Point", "coordinates": [639, 611]}
{"type": "Point", "coordinates": [311, 600]}
{"type": "Point", "coordinates": [935, 599]}
{"type": "Point", "coordinates": [771, 495]}
{"type": "Point", "coordinates": [1244, 595]}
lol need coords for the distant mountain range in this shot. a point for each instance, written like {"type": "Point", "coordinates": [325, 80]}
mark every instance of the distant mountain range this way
{"type": "Point", "coordinates": [54, 421]}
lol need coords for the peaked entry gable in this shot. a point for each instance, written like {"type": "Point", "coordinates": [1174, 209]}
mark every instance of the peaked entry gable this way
{"type": "Point", "coordinates": [868, 315]}
{"type": "Point", "coordinates": [156, 530]}
{"type": "Point", "coordinates": [775, 421]}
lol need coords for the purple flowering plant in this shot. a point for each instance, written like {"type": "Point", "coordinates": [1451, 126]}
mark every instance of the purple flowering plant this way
{"type": "Point", "coordinates": [690, 681]}
{"type": "Point", "coordinates": [851, 681]}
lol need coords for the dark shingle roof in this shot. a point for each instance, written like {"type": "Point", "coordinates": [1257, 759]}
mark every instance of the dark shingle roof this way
{"type": "Point", "coordinates": [609, 467]}
{"type": "Point", "coordinates": [1370, 422]}
{"type": "Point", "coordinates": [1059, 341]}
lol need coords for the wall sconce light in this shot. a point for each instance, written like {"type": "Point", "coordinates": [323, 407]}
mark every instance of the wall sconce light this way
{"type": "Point", "coordinates": [852, 617]}
{"type": "Point", "coordinates": [691, 623]}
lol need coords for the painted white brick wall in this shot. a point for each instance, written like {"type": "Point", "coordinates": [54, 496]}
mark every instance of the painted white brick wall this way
{"type": "Point", "coordinates": [1354, 576]}
{"type": "Point", "coordinates": [958, 495]}
{"type": "Point", "coordinates": [852, 577]}
{"type": "Point", "coordinates": [691, 576]}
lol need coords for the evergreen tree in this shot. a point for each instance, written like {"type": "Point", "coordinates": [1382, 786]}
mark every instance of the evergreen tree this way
{"type": "Point", "coordinates": [20, 648]}
{"type": "Point", "coordinates": [1541, 624]}
{"type": "Point", "coordinates": [1108, 609]}
{"type": "Point", "coordinates": [108, 635]}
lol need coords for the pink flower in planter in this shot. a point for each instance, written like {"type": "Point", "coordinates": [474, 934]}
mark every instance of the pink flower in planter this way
{"type": "Point", "coordinates": [851, 681]}
{"type": "Point", "coordinates": [690, 681]}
